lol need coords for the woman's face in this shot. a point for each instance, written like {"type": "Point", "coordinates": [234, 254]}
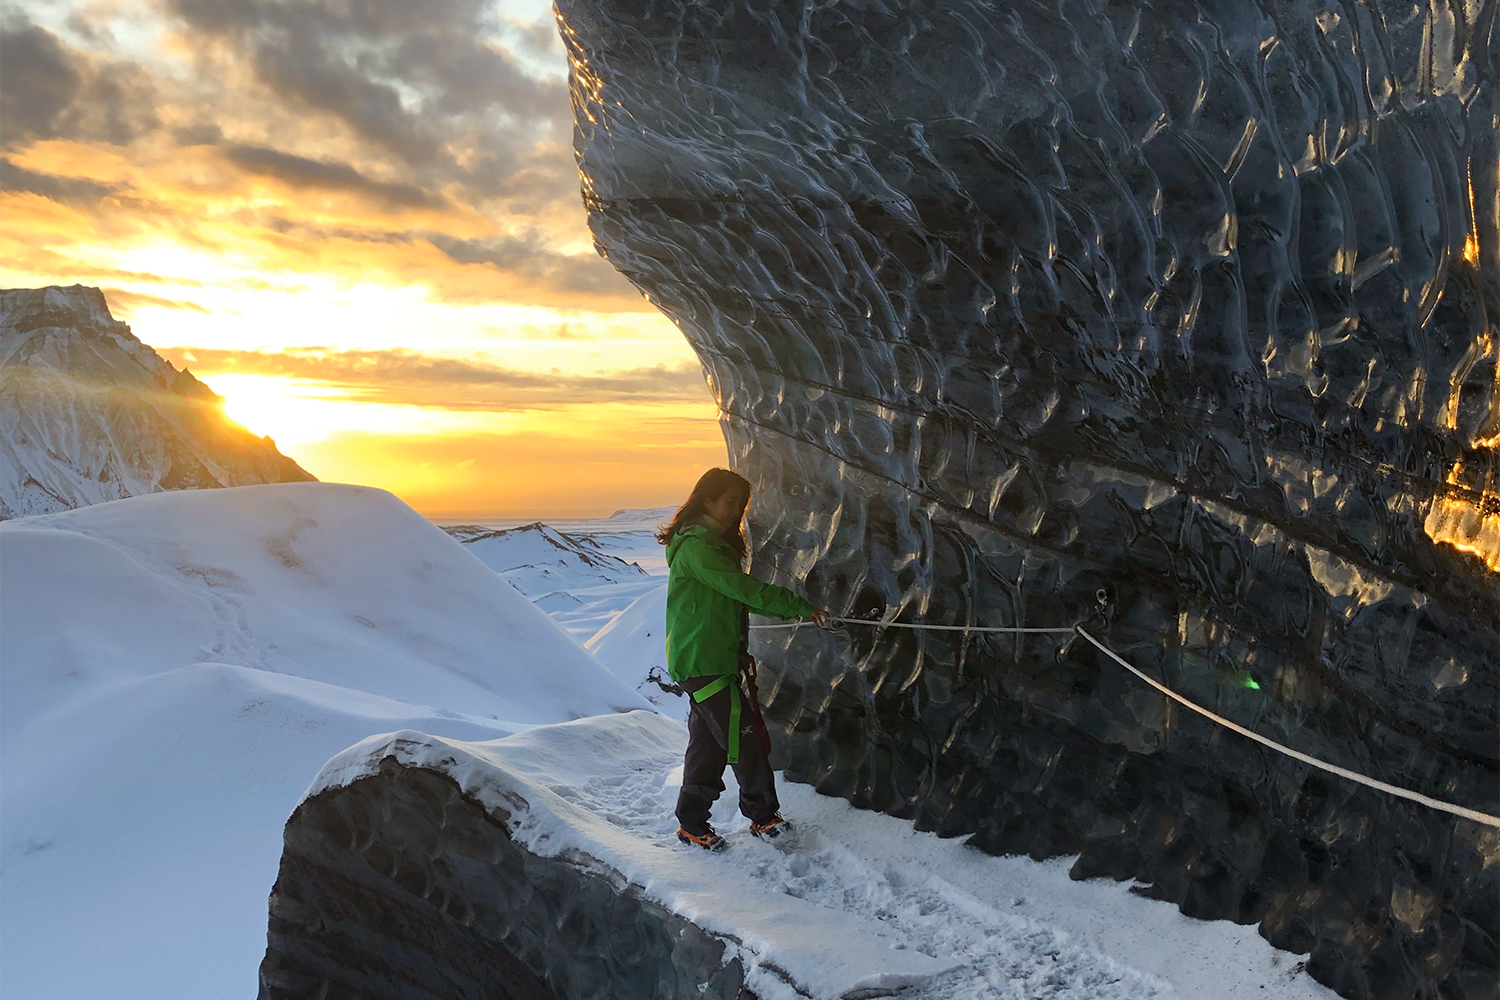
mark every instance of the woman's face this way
{"type": "Point", "coordinates": [729, 508]}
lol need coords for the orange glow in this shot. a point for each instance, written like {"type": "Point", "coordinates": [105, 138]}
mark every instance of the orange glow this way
{"type": "Point", "coordinates": [297, 412]}
{"type": "Point", "coordinates": [581, 459]}
{"type": "Point", "coordinates": [189, 216]}
{"type": "Point", "coordinates": [1471, 247]}
{"type": "Point", "coordinates": [274, 407]}
{"type": "Point", "coordinates": [1471, 242]}
{"type": "Point", "coordinates": [1466, 526]}
{"type": "Point", "coordinates": [585, 460]}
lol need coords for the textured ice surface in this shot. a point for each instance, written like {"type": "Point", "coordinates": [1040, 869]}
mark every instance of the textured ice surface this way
{"type": "Point", "coordinates": [1007, 305]}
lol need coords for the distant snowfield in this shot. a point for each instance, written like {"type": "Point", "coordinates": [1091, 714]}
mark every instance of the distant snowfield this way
{"type": "Point", "coordinates": [604, 580]}
{"type": "Point", "coordinates": [176, 668]}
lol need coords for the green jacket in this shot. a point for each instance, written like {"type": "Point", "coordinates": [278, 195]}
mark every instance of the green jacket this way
{"type": "Point", "coordinates": [706, 592]}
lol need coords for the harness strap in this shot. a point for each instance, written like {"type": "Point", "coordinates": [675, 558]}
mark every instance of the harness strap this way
{"type": "Point", "coordinates": [712, 688]}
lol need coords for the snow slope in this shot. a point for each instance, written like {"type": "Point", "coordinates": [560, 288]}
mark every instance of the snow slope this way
{"type": "Point", "coordinates": [859, 900]}
{"type": "Point", "coordinates": [173, 669]}
{"type": "Point", "coordinates": [633, 647]}
{"type": "Point", "coordinates": [88, 413]}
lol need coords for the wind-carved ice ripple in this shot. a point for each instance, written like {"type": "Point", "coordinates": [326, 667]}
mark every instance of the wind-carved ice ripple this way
{"type": "Point", "coordinates": [1008, 304]}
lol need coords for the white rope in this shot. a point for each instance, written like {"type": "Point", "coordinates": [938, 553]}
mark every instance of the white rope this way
{"type": "Point", "coordinates": [1448, 807]}
{"type": "Point", "coordinates": [926, 628]}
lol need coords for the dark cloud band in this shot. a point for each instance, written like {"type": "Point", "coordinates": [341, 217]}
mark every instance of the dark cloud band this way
{"type": "Point", "coordinates": [64, 190]}
{"type": "Point", "coordinates": [451, 383]}
{"type": "Point", "coordinates": [301, 171]}
{"type": "Point", "coordinates": [425, 82]}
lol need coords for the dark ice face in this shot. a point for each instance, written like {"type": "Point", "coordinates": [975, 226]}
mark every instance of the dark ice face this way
{"type": "Point", "coordinates": [1007, 304]}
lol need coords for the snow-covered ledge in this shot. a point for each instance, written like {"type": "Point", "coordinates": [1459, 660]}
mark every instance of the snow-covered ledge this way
{"type": "Point", "coordinates": [417, 866]}
{"type": "Point", "coordinates": [543, 865]}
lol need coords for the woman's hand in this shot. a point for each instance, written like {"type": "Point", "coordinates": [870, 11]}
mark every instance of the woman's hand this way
{"type": "Point", "coordinates": [819, 617]}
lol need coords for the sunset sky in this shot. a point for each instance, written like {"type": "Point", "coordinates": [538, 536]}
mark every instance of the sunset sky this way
{"type": "Point", "coordinates": [361, 225]}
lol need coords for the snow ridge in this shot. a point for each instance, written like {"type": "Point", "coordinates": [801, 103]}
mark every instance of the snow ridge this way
{"type": "Point", "coordinates": [613, 605]}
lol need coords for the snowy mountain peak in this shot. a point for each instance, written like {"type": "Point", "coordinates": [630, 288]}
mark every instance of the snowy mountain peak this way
{"type": "Point", "coordinates": [88, 413]}
{"type": "Point", "coordinates": [537, 559]}
{"type": "Point", "coordinates": [78, 302]}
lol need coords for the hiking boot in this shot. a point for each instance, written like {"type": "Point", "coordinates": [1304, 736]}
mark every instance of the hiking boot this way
{"type": "Point", "coordinates": [708, 840]}
{"type": "Point", "coordinates": [772, 828]}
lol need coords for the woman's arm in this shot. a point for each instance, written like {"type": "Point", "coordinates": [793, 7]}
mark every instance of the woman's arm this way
{"type": "Point", "coordinates": [713, 569]}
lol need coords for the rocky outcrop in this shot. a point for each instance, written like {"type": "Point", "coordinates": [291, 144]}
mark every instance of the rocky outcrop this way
{"type": "Point", "coordinates": [88, 413]}
{"type": "Point", "coordinates": [401, 886]}
{"type": "Point", "coordinates": [1176, 319]}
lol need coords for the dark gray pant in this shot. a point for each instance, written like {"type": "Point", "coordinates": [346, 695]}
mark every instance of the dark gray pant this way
{"type": "Point", "coordinates": [708, 752]}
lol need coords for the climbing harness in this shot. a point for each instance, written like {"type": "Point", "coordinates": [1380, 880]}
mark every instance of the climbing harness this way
{"type": "Point", "coordinates": [712, 688]}
{"type": "Point", "coordinates": [1448, 807]}
{"type": "Point", "coordinates": [750, 671]}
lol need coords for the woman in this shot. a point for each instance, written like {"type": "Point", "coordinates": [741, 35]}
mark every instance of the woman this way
{"type": "Point", "coordinates": [708, 597]}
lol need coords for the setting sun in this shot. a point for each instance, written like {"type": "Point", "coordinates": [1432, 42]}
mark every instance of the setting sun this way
{"type": "Point", "coordinates": [286, 410]}
{"type": "Point", "coordinates": [579, 458]}
{"type": "Point", "coordinates": [296, 412]}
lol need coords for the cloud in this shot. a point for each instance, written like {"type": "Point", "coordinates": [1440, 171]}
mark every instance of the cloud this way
{"type": "Point", "coordinates": [301, 171]}
{"type": "Point", "coordinates": [123, 302]}
{"type": "Point", "coordinates": [59, 269]}
{"type": "Point", "coordinates": [450, 383]}
{"type": "Point", "coordinates": [589, 274]}
{"type": "Point", "coordinates": [202, 134]}
{"type": "Point", "coordinates": [539, 37]}
{"type": "Point", "coordinates": [40, 80]}
{"type": "Point", "coordinates": [425, 82]}
{"type": "Point", "coordinates": [64, 190]}
{"type": "Point", "coordinates": [340, 155]}
{"type": "Point", "coordinates": [50, 90]}
{"type": "Point", "coordinates": [338, 142]}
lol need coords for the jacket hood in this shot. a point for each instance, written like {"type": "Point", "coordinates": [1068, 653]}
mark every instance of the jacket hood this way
{"type": "Point", "coordinates": [697, 530]}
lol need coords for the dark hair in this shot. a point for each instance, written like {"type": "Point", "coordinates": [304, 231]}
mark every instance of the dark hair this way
{"type": "Point", "coordinates": [711, 485]}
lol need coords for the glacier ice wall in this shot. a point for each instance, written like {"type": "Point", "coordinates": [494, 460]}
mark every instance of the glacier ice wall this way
{"type": "Point", "coordinates": [1010, 307]}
